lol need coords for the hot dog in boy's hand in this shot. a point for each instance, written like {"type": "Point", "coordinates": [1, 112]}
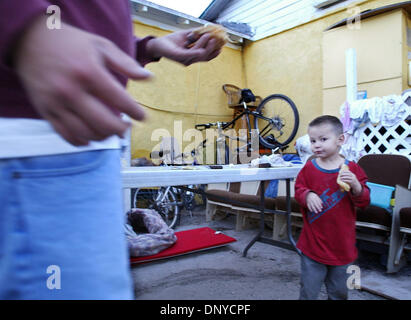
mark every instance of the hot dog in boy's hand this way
{"type": "Point", "coordinates": [344, 186]}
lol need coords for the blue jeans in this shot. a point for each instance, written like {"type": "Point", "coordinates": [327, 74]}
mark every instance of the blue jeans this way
{"type": "Point", "coordinates": [61, 228]}
{"type": "Point", "coordinates": [314, 274]}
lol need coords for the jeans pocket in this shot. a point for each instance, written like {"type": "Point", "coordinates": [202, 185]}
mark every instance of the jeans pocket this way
{"type": "Point", "coordinates": [69, 186]}
{"type": "Point", "coordinates": [61, 165]}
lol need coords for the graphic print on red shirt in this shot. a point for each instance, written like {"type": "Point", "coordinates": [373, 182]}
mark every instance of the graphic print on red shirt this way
{"type": "Point", "coordinates": [329, 201]}
{"type": "Point", "coordinates": [328, 237]}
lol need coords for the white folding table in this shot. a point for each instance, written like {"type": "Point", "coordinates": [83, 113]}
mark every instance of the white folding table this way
{"type": "Point", "coordinates": [138, 177]}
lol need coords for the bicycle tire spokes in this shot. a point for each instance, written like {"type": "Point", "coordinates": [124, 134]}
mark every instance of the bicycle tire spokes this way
{"type": "Point", "coordinates": [161, 195]}
{"type": "Point", "coordinates": [266, 130]}
{"type": "Point", "coordinates": [278, 117]}
{"type": "Point", "coordinates": [145, 198]}
{"type": "Point", "coordinates": [277, 121]}
{"type": "Point", "coordinates": [163, 200]}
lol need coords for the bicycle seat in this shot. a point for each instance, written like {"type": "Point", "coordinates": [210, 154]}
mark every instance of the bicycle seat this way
{"type": "Point", "coordinates": [247, 96]}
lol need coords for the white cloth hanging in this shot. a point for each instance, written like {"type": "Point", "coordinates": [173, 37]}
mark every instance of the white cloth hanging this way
{"type": "Point", "coordinates": [395, 110]}
{"type": "Point", "coordinates": [387, 111]}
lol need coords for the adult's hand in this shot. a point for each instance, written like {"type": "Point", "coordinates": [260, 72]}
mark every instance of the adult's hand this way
{"type": "Point", "coordinates": [174, 47]}
{"type": "Point", "coordinates": [66, 73]}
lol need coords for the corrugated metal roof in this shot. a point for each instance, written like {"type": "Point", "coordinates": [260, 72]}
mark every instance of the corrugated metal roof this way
{"type": "Point", "coordinates": [268, 17]}
{"type": "Point", "coordinates": [248, 19]}
{"type": "Point", "coordinates": [213, 10]}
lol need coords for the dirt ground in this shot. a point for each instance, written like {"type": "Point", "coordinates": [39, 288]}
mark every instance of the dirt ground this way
{"type": "Point", "coordinates": [267, 273]}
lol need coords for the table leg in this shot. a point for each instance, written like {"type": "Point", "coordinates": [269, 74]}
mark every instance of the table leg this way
{"type": "Point", "coordinates": [260, 238]}
{"type": "Point", "coordinates": [260, 232]}
{"type": "Point", "coordinates": [289, 227]}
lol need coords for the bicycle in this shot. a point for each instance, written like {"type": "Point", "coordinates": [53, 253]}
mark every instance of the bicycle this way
{"type": "Point", "coordinates": [169, 201]}
{"type": "Point", "coordinates": [276, 121]}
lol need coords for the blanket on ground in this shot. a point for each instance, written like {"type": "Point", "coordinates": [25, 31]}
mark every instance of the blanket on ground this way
{"type": "Point", "coordinates": [147, 233]}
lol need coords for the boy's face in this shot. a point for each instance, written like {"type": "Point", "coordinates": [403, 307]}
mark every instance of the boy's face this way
{"type": "Point", "coordinates": [325, 142]}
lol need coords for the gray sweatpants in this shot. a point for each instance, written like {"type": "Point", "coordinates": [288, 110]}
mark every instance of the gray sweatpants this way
{"type": "Point", "coordinates": [314, 274]}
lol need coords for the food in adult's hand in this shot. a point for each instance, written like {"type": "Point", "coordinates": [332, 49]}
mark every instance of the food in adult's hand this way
{"type": "Point", "coordinates": [217, 32]}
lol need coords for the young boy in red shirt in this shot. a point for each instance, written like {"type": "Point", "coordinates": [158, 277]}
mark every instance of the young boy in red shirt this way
{"type": "Point", "coordinates": [327, 240]}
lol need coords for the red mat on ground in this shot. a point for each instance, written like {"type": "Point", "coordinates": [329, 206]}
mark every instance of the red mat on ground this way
{"type": "Point", "coordinates": [189, 241]}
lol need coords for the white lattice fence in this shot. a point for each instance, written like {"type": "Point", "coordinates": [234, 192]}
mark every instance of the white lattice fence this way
{"type": "Point", "coordinates": [377, 137]}
{"type": "Point", "coordinates": [387, 140]}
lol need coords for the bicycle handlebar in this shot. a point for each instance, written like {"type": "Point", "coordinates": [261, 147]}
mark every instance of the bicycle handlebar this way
{"type": "Point", "coordinates": [204, 126]}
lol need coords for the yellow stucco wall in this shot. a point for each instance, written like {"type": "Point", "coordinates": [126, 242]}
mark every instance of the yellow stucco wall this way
{"type": "Point", "coordinates": [292, 63]}
{"type": "Point", "coordinates": [181, 96]}
{"type": "Point", "coordinates": [379, 44]}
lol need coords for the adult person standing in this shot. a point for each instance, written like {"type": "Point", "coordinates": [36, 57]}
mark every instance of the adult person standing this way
{"type": "Point", "coordinates": [61, 95]}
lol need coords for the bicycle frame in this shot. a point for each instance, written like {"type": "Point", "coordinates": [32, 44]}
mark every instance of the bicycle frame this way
{"type": "Point", "coordinates": [221, 126]}
{"type": "Point", "coordinates": [247, 112]}
{"type": "Point", "coordinates": [221, 136]}
{"type": "Point", "coordinates": [184, 197]}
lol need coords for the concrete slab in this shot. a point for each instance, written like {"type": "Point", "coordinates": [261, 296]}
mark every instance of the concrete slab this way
{"type": "Point", "coordinates": [375, 279]}
{"type": "Point", "coordinates": [390, 285]}
{"type": "Point", "coordinates": [267, 273]}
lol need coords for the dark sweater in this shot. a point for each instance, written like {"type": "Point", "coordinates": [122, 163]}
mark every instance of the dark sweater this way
{"type": "Point", "coordinates": [108, 18]}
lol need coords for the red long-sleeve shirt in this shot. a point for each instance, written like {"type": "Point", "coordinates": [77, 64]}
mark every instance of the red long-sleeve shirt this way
{"type": "Point", "coordinates": [329, 237]}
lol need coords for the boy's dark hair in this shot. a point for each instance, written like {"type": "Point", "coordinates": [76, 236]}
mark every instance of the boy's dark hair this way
{"type": "Point", "coordinates": [333, 121]}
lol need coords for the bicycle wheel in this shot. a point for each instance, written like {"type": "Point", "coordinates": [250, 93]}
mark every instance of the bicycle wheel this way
{"type": "Point", "coordinates": [277, 122]}
{"type": "Point", "coordinates": [196, 200]}
{"type": "Point", "coordinates": [163, 200]}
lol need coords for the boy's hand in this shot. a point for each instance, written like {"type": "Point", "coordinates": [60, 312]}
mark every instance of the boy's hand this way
{"type": "Point", "coordinates": [66, 73]}
{"type": "Point", "coordinates": [314, 202]}
{"type": "Point", "coordinates": [351, 179]}
{"type": "Point", "coordinates": [174, 47]}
